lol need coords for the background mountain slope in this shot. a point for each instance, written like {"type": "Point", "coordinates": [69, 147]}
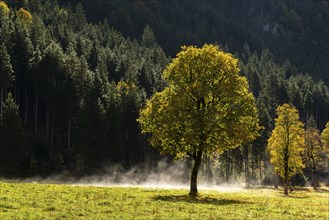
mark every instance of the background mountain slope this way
{"type": "Point", "coordinates": [294, 30]}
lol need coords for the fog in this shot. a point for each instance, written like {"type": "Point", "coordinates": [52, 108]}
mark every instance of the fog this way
{"type": "Point", "coordinates": [161, 176]}
{"type": "Point", "coordinates": [175, 175]}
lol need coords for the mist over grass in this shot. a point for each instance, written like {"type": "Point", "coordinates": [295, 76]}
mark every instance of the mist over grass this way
{"type": "Point", "coordinates": [173, 175]}
{"type": "Point", "coordinates": [162, 175]}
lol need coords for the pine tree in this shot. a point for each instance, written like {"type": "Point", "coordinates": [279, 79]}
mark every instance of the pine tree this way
{"type": "Point", "coordinates": [12, 139]}
{"type": "Point", "coordinates": [6, 74]}
{"type": "Point", "coordinates": [148, 38]}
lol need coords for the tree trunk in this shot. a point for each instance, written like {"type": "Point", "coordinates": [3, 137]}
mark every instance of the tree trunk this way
{"type": "Point", "coordinates": [194, 175]}
{"type": "Point", "coordinates": [1, 101]}
{"type": "Point", "coordinates": [69, 133]}
{"type": "Point", "coordinates": [265, 169]}
{"type": "Point", "coordinates": [3, 98]}
{"type": "Point", "coordinates": [286, 185]}
{"type": "Point", "coordinates": [233, 168]}
{"type": "Point", "coordinates": [252, 167]}
{"type": "Point", "coordinates": [36, 111]}
{"type": "Point", "coordinates": [48, 122]}
{"type": "Point", "coordinates": [276, 181]}
{"type": "Point", "coordinates": [291, 186]}
{"type": "Point", "coordinates": [15, 91]}
{"type": "Point", "coordinates": [260, 172]}
{"type": "Point", "coordinates": [25, 105]}
{"type": "Point", "coordinates": [206, 168]}
{"type": "Point", "coordinates": [246, 165]}
{"type": "Point", "coordinates": [227, 170]}
{"type": "Point", "coordinates": [209, 170]}
{"type": "Point", "coordinates": [314, 180]}
{"type": "Point", "coordinates": [51, 138]}
{"type": "Point", "coordinates": [286, 178]}
{"type": "Point", "coordinates": [286, 169]}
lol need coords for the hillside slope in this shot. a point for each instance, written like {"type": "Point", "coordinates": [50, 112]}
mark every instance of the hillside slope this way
{"type": "Point", "coordinates": [294, 30]}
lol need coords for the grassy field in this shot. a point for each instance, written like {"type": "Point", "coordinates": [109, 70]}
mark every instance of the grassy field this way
{"type": "Point", "coordinates": [51, 201]}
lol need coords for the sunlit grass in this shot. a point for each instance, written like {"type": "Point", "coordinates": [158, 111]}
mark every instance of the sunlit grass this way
{"type": "Point", "coordinates": [51, 201]}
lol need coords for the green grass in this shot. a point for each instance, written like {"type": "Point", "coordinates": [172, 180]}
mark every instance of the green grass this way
{"type": "Point", "coordinates": [51, 201]}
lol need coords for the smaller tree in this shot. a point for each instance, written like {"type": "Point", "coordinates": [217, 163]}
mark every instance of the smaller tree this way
{"type": "Point", "coordinates": [325, 138]}
{"type": "Point", "coordinates": [287, 143]}
{"type": "Point", "coordinates": [314, 151]}
{"type": "Point", "coordinates": [6, 74]}
{"type": "Point", "coordinates": [4, 8]}
{"type": "Point", "coordinates": [24, 15]}
{"type": "Point", "coordinates": [148, 38]}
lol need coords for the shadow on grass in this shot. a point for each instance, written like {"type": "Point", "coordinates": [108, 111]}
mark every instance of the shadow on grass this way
{"type": "Point", "coordinates": [199, 200]}
{"type": "Point", "coordinates": [296, 192]}
{"type": "Point", "coordinates": [322, 190]}
{"type": "Point", "coordinates": [293, 196]}
{"type": "Point", "coordinates": [303, 189]}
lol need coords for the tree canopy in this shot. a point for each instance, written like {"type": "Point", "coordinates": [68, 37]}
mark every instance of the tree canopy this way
{"type": "Point", "coordinates": [314, 153]}
{"type": "Point", "coordinates": [325, 138]}
{"type": "Point", "coordinates": [287, 143]}
{"type": "Point", "coordinates": [4, 8]}
{"type": "Point", "coordinates": [205, 109]}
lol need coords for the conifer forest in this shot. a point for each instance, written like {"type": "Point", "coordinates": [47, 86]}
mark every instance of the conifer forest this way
{"type": "Point", "coordinates": [75, 76]}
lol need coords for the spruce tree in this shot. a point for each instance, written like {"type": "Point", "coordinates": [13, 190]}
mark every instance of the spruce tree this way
{"type": "Point", "coordinates": [12, 139]}
{"type": "Point", "coordinates": [6, 74]}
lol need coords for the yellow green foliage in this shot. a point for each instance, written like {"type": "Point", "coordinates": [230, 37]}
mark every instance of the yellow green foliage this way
{"type": "Point", "coordinates": [63, 13]}
{"type": "Point", "coordinates": [287, 142]}
{"type": "Point", "coordinates": [126, 88]}
{"type": "Point", "coordinates": [206, 107]}
{"type": "Point", "coordinates": [325, 138]}
{"type": "Point", "coordinates": [24, 15]}
{"type": "Point", "coordinates": [4, 8]}
{"type": "Point", "coordinates": [314, 151]}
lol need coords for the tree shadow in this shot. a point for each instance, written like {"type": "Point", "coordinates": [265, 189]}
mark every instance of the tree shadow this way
{"type": "Point", "coordinates": [293, 196]}
{"type": "Point", "coordinates": [322, 190]}
{"type": "Point", "coordinates": [199, 200]}
{"type": "Point", "coordinates": [303, 189]}
{"type": "Point", "coordinates": [306, 189]}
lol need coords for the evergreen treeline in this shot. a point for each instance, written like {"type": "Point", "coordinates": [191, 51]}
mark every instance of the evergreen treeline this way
{"type": "Point", "coordinates": [78, 88]}
{"type": "Point", "coordinates": [71, 90]}
{"type": "Point", "coordinates": [273, 85]}
{"type": "Point", "coordinates": [294, 30]}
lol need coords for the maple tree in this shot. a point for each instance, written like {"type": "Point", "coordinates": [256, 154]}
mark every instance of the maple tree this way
{"type": "Point", "coordinates": [206, 108]}
{"type": "Point", "coordinates": [325, 138]}
{"type": "Point", "coordinates": [287, 143]}
{"type": "Point", "coordinates": [4, 8]}
{"type": "Point", "coordinates": [314, 153]}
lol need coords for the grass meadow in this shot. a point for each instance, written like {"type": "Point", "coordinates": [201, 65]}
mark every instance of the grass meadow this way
{"type": "Point", "coordinates": [59, 201]}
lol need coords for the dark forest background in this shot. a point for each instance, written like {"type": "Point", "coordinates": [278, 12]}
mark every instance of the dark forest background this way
{"type": "Point", "coordinates": [75, 74]}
